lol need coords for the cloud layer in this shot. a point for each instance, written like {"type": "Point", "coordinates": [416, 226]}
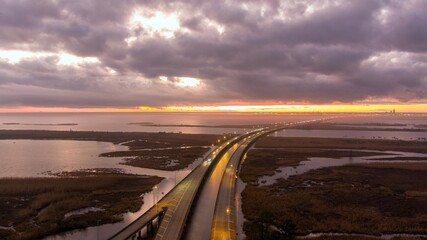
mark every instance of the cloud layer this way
{"type": "Point", "coordinates": [105, 53]}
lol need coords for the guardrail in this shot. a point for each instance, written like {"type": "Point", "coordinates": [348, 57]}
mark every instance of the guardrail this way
{"type": "Point", "coordinates": [222, 150]}
{"type": "Point", "coordinates": [122, 233]}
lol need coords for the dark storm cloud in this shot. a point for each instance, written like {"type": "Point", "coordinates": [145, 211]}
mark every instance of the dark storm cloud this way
{"type": "Point", "coordinates": [251, 51]}
{"type": "Point", "coordinates": [348, 24]}
{"type": "Point", "coordinates": [405, 27]}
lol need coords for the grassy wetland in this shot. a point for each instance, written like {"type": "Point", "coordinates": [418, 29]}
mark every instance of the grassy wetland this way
{"type": "Point", "coordinates": [163, 151]}
{"type": "Point", "coordinates": [135, 140]}
{"type": "Point", "coordinates": [362, 199]}
{"type": "Point", "coordinates": [36, 207]}
{"type": "Point", "coordinates": [356, 201]}
{"type": "Point", "coordinates": [162, 159]}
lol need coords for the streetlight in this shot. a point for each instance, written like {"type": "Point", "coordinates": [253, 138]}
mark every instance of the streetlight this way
{"type": "Point", "coordinates": [97, 230]}
{"type": "Point", "coordinates": [154, 196]}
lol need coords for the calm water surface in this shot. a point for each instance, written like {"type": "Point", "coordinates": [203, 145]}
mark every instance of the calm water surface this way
{"type": "Point", "coordinates": [107, 230]}
{"type": "Point", "coordinates": [30, 158]}
{"type": "Point", "coordinates": [322, 162]}
{"type": "Point", "coordinates": [390, 135]}
{"type": "Point", "coordinates": [120, 121]}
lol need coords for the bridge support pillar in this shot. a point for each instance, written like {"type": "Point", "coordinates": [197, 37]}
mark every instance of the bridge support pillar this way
{"type": "Point", "coordinates": [150, 229]}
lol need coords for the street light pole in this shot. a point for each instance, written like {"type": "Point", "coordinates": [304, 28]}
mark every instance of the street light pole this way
{"type": "Point", "coordinates": [97, 231]}
{"type": "Point", "coordinates": [154, 198]}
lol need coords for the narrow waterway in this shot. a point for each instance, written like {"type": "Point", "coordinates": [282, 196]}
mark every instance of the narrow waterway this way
{"type": "Point", "coordinates": [318, 162]}
{"type": "Point", "coordinates": [36, 158]}
{"type": "Point", "coordinates": [240, 218]}
{"type": "Point", "coordinates": [107, 230]}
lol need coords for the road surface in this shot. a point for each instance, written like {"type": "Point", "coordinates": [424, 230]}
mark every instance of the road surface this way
{"type": "Point", "coordinates": [214, 179]}
{"type": "Point", "coordinates": [178, 201]}
{"type": "Point", "coordinates": [199, 225]}
{"type": "Point", "coordinates": [224, 218]}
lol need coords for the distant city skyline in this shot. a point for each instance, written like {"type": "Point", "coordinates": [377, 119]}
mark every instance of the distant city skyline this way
{"type": "Point", "coordinates": [271, 56]}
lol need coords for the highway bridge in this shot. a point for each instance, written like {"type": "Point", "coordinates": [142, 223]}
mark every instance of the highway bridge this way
{"type": "Point", "coordinates": [202, 205]}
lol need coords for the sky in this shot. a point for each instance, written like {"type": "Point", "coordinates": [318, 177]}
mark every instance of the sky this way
{"type": "Point", "coordinates": [155, 54]}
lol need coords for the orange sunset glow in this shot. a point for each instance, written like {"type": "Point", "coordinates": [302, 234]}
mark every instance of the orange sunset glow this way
{"type": "Point", "coordinates": [213, 119]}
{"type": "Point", "coordinates": [415, 108]}
{"type": "Point", "coordinates": [268, 58]}
{"type": "Point", "coordinates": [336, 108]}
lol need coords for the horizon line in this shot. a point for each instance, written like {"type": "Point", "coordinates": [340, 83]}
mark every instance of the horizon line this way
{"type": "Point", "coordinates": [291, 108]}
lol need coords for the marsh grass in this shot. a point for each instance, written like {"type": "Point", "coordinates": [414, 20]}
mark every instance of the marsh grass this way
{"type": "Point", "coordinates": [339, 143]}
{"type": "Point", "coordinates": [261, 162]}
{"type": "Point", "coordinates": [35, 207]}
{"type": "Point", "coordinates": [159, 159]}
{"type": "Point", "coordinates": [369, 199]}
{"type": "Point", "coordinates": [351, 199]}
{"type": "Point", "coordinates": [141, 140]}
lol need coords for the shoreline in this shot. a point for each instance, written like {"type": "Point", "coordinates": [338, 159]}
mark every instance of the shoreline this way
{"type": "Point", "coordinates": [334, 199]}
{"type": "Point", "coordinates": [38, 207]}
{"type": "Point", "coordinates": [102, 136]}
{"type": "Point", "coordinates": [144, 144]}
{"type": "Point", "coordinates": [315, 126]}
